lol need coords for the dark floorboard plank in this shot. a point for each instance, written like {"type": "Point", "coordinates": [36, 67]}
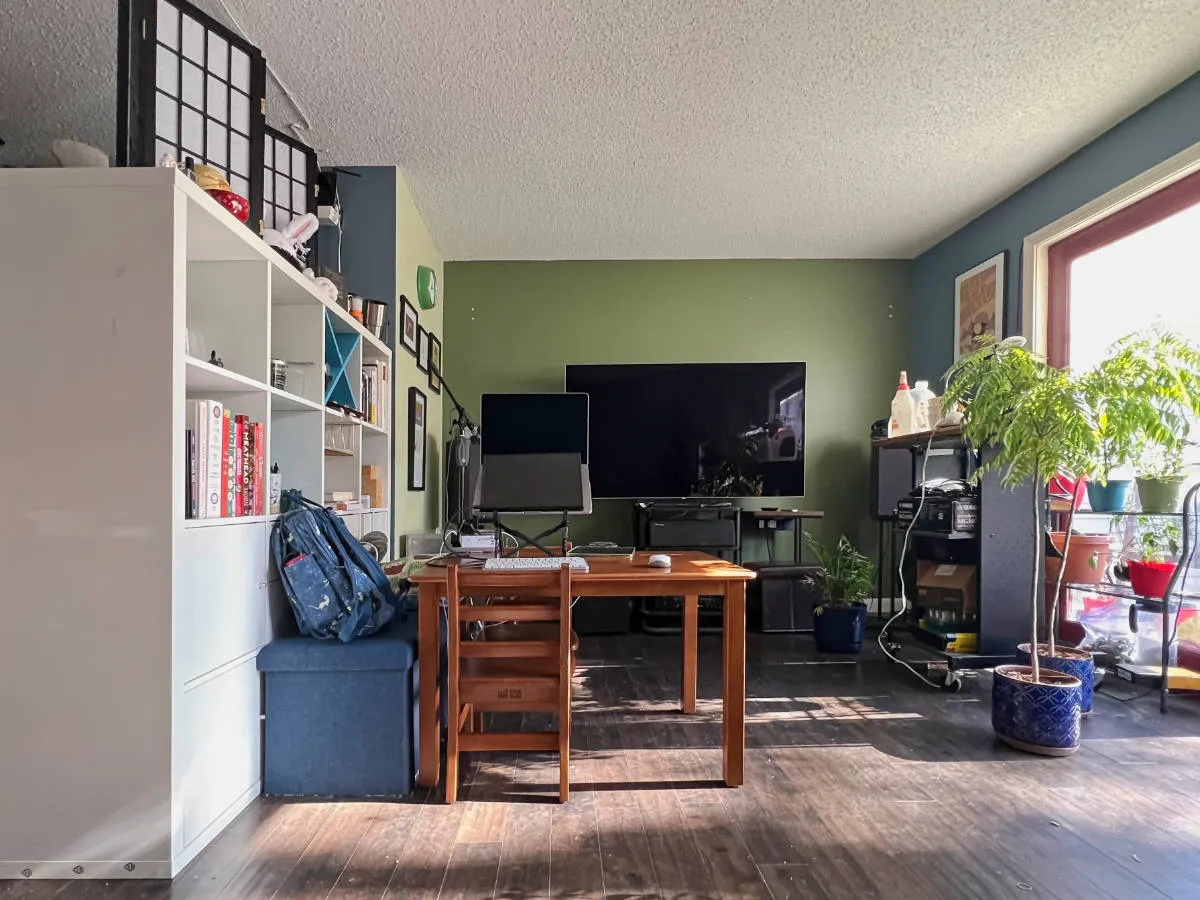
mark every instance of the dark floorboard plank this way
{"type": "Point", "coordinates": [575, 868]}
{"type": "Point", "coordinates": [625, 852]}
{"type": "Point", "coordinates": [207, 875]}
{"type": "Point", "coordinates": [371, 866]}
{"type": "Point", "coordinates": [726, 860]}
{"type": "Point", "coordinates": [525, 852]}
{"type": "Point", "coordinates": [422, 866]}
{"type": "Point", "coordinates": [794, 882]}
{"type": "Point", "coordinates": [325, 858]}
{"type": "Point", "coordinates": [471, 873]}
{"type": "Point", "coordinates": [275, 858]}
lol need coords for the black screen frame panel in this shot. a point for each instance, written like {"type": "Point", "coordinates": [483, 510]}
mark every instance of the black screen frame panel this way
{"type": "Point", "coordinates": [493, 403]}
{"type": "Point", "coordinates": [597, 471]}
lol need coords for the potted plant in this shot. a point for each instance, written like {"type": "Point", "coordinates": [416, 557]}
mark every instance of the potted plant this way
{"type": "Point", "coordinates": [1115, 435]}
{"type": "Point", "coordinates": [1149, 390]}
{"type": "Point", "coordinates": [840, 619]}
{"type": "Point", "coordinates": [1151, 575]}
{"type": "Point", "coordinates": [1035, 420]}
{"type": "Point", "coordinates": [1160, 479]}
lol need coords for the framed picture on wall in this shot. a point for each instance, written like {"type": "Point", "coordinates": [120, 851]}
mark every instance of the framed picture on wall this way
{"type": "Point", "coordinates": [435, 364]}
{"type": "Point", "coordinates": [409, 326]}
{"type": "Point", "coordinates": [417, 410]}
{"type": "Point", "coordinates": [979, 303]}
{"type": "Point", "coordinates": [422, 349]}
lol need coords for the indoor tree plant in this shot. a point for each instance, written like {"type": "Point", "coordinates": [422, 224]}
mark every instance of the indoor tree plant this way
{"type": "Point", "coordinates": [840, 619]}
{"type": "Point", "coordinates": [1032, 419]}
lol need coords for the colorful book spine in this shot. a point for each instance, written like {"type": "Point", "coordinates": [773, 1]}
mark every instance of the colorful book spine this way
{"type": "Point", "coordinates": [260, 468]}
{"type": "Point", "coordinates": [245, 464]}
{"type": "Point", "coordinates": [214, 417]}
{"type": "Point", "coordinates": [228, 439]}
{"type": "Point", "coordinates": [191, 476]}
{"type": "Point", "coordinates": [238, 424]}
{"type": "Point", "coordinates": [197, 422]}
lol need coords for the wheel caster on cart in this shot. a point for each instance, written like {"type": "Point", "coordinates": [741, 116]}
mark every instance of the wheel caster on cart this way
{"type": "Point", "coordinates": [951, 682]}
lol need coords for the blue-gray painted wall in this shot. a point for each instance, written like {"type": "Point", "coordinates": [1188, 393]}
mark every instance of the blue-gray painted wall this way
{"type": "Point", "coordinates": [368, 234]}
{"type": "Point", "coordinates": [1154, 133]}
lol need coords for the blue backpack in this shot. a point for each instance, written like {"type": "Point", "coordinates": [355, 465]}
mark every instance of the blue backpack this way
{"type": "Point", "coordinates": [337, 590]}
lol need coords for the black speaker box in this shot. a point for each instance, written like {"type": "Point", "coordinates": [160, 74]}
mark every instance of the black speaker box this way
{"type": "Point", "coordinates": [691, 534]}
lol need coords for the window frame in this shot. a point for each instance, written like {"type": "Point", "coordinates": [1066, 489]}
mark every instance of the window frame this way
{"type": "Point", "coordinates": [1136, 216]}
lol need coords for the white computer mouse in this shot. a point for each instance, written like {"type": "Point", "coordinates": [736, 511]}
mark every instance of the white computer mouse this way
{"type": "Point", "coordinates": [660, 561]}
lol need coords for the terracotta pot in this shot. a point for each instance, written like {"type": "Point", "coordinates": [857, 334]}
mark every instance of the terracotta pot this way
{"type": "Point", "coordinates": [1087, 559]}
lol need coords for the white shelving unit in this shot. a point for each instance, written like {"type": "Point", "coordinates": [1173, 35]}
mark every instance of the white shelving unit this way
{"type": "Point", "coordinates": [130, 632]}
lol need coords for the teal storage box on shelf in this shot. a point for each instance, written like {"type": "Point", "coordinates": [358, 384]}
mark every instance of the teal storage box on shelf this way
{"type": "Point", "coordinates": [340, 717]}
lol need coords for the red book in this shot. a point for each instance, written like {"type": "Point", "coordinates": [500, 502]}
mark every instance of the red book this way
{"type": "Point", "coordinates": [260, 452]}
{"type": "Point", "coordinates": [235, 472]}
{"type": "Point", "coordinates": [226, 463]}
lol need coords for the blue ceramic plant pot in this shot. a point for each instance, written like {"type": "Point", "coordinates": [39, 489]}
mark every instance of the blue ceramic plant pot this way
{"type": "Point", "coordinates": [1038, 718]}
{"type": "Point", "coordinates": [1110, 497]}
{"type": "Point", "coordinates": [1071, 662]}
{"type": "Point", "coordinates": [839, 629]}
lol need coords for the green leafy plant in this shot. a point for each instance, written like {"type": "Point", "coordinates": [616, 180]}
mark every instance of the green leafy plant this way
{"type": "Point", "coordinates": [1159, 539]}
{"type": "Point", "coordinates": [849, 575]}
{"type": "Point", "coordinates": [1150, 392]}
{"type": "Point", "coordinates": [1034, 417]}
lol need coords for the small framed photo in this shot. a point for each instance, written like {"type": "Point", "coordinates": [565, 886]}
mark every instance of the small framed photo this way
{"type": "Point", "coordinates": [408, 325]}
{"type": "Point", "coordinates": [417, 414]}
{"type": "Point", "coordinates": [435, 364]}
{"type": "Point", "coordinates": [979, 304]}
{"type": "Point", "coordinates": [422, 349]}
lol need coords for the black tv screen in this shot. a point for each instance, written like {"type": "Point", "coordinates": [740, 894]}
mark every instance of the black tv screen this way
{"type": "Point", "coordinates": [694, 429]}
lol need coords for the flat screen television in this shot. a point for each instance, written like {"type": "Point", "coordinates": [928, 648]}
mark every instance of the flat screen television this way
{"type": "Point", "coordinates": [675, 430]}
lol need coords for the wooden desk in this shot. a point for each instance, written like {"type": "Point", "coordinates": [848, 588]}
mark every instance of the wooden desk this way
{"type": "Point", "coordinates": [691, 574]}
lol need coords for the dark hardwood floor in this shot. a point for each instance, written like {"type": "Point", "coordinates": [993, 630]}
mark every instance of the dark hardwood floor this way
{"type": "Point", "coordinates": [860, 783]}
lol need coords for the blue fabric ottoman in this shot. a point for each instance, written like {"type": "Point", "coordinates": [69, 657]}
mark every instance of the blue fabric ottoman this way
{"type": "Point", "coordinates": [340, 717]}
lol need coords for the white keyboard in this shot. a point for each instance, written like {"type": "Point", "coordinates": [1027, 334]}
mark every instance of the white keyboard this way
{"type": "Point", "coordinates": [534, 563]}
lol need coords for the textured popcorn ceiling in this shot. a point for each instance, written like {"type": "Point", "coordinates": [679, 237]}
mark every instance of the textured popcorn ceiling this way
{"type": "Point", "coordinates": [533, 129]}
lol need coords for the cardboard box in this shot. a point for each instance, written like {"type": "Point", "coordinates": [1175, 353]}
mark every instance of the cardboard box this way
{"type": "Point", "coordinates": [951, 586]}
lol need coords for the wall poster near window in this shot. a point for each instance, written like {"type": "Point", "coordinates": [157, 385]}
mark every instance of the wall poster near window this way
{"type": "Point", "coordinates": [979, 303]}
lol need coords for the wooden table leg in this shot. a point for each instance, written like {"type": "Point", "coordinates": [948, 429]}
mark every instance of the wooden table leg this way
{"type": "Point", "coordinates": [733, 738]}
{"type": "Point", "coordinates": [428, 658]}
{"type": "Point", "coordinates": [691, 631]}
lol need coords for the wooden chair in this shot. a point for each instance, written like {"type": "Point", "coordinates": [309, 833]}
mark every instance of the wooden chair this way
{"type": "Point", "coordinates": [524, 666]}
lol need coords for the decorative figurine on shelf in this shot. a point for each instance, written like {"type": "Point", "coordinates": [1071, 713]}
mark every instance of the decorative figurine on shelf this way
{"type": "Point", "coordinates": [214, 361]}
{"type": "Point", "coordinates": [290, 242]}
{"type": "Point", "coordinates": [215, 185]}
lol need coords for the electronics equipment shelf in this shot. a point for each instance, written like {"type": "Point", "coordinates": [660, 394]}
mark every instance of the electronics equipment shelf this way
{"type": "Point", "coordinates": [1001, 547]}
{"type": "Point", "coordinates": [134, 630]}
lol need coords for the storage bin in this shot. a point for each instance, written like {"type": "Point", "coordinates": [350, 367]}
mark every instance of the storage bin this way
{"type": "Point", "coordinates": [340, 717]}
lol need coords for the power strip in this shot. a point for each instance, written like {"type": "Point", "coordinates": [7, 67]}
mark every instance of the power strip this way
{"type": "Point", "coordinates": [477, 542]}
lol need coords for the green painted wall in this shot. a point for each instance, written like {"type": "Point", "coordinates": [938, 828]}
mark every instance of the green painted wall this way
{"type": "Point", "coordinates": [513, 326]}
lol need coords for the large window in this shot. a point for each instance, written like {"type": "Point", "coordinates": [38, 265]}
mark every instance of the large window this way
{"type": "Point", "coordinates": [1132, 269]}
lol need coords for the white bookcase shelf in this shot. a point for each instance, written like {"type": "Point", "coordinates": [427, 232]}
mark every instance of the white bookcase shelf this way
{"type": "Point", "coordinates": [145, 650]}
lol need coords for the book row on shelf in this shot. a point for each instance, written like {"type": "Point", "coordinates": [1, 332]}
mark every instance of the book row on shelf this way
{"type": "Point", "coordinates": [225, 463]}
{"type": "Point", "coordinates": [376, 392]}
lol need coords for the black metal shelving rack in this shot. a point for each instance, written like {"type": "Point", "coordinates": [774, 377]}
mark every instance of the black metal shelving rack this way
{"type": "Point", "coordinates": [1182, 593]}
{"type": "Point", "coordinates": [1003, 548]}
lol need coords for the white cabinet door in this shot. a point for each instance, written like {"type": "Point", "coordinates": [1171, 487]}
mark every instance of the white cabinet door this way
{"type": "Point", "coordinates": [354, 523]}
{"type": "Point", "coordinates": [221, 594]}
{"type": "Point", "coordinates": [220, 745]}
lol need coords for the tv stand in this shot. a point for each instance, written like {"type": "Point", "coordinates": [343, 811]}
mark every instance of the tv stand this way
{"type": "Point", "coordinates": [711, 525]}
